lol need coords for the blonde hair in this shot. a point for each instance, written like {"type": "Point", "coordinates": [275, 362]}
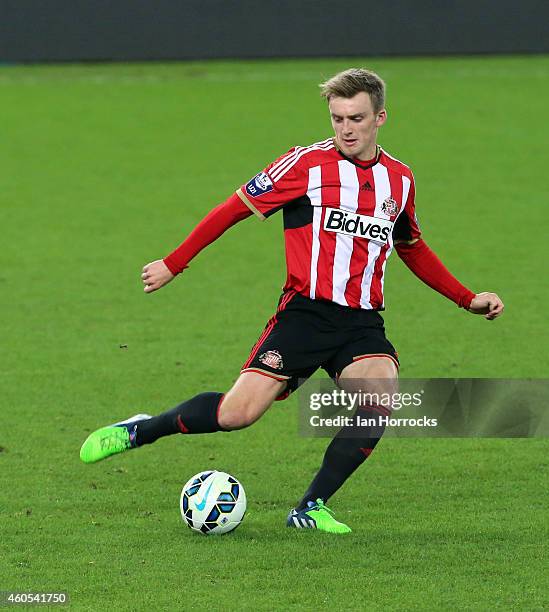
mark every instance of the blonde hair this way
{"type": "Point", "coordinates": [348, 83]}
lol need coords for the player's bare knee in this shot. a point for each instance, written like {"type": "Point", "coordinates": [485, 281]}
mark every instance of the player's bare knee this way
{"type": "Point", "coordinates": [239, 416]}
{"type": "Point", "coordinates": [247, 401]}
{"type": "Point", "coordinates": [377, 375]}
{"type": "Point", "coordinates": [230, 421]}
{"type": "Point", "coordinates": [240, 412]}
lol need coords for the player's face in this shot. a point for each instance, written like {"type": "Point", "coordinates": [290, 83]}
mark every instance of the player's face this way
{"type": "Point", "coordinates": [355, 124]}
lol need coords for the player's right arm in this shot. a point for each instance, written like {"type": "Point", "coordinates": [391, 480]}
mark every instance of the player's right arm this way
{"type": "Point", "coordinates": [262, 195]}
{"type": "Point", "coordinates": [158, 273]}
{"type": "Point", "coordinates": [155, 275]}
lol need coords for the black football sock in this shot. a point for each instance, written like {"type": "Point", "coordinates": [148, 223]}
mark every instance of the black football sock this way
{"type": "Point", "coordinates": [197, 415]}
{"type": "Point", "coordinates": [345, 453]}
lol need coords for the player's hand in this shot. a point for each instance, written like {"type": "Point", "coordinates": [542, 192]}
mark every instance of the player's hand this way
{"type": "Point", "coordinates": [487, 304]}
{"type": "Point", "coordinates": [155, 275]}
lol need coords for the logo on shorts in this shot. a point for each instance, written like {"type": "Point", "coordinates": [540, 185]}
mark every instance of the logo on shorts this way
{"type": "Point", "coordinates": [259, 185]}
{"type": "Point", "coordinates": [273, 359]}
{"type": "Point", "coordinates": [389, 207]}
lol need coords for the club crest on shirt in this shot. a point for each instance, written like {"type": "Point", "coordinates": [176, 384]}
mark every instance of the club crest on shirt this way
{"type": "Point", "coordinates": [259, 185]}
{"type": "Point", "coordinates": [389, 206]}
{"type": "Point", "coordinates": [273, 359]}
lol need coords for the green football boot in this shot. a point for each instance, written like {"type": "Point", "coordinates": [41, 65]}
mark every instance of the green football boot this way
{"type": "Point", "coordinates": [111, 440]}
{"type": "Point", "coordinates": [316, 516]}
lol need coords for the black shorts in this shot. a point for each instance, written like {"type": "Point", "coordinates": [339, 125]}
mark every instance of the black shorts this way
{"type": "Point", "coordinates": [306, 334]}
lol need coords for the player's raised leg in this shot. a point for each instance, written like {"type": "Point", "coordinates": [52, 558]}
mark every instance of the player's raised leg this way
{"type": "Point", "coordinates": [350, 447]}
{"type": "Point", "coordinates": [245, 403]}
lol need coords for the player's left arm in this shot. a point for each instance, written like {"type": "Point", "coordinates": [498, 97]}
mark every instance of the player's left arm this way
{"type": "Point", "coordinates": [424, 263]}
{"type": "Point", "coordinates": [487, 303]}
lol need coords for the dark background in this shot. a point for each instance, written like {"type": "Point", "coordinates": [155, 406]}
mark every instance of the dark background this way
{"type": "Point", "coordinates": [60, 30]}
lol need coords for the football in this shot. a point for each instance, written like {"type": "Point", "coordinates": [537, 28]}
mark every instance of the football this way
{"type": "Point", "coordinates": [213, 502]}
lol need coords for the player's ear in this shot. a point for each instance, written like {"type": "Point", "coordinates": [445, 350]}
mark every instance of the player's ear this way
{"type": "Point", "coordinates": [381, 117]}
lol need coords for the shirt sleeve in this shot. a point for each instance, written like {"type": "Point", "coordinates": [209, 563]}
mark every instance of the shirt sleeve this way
{"type": "Point", "coordinates": [406, 227]}
{"type": "Point", "coordinates": [214, 224]}
{"type": "Point", "coordinates": [278, 184]}
{"type": "Point", "coordinates": [428, 267]}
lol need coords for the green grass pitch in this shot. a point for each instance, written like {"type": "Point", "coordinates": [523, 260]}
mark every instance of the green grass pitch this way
{"type": "Point", "coordinates": [107, 167]}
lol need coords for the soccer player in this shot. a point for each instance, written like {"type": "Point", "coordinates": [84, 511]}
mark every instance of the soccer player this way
{"type": "Point", "coordinates": [346, 203]}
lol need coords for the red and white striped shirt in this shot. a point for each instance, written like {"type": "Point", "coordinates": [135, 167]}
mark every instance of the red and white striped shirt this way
{"type": "Point", "coordinates": [341, 219]}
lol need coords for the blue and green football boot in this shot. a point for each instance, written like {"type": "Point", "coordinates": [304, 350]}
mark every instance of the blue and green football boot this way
{"type": "Point", "coordinates": [316, 516]}
{"type": "Point", "coordinates": [107, 441]}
